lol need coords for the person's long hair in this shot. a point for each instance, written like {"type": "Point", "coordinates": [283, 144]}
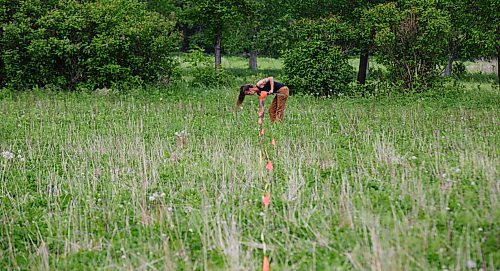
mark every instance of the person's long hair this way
{"type": "Point", "coordinates": [241, 96]}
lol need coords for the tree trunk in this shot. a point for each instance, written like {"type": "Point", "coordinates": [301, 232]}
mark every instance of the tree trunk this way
{"type": "Point", "coordinates": [218, 58]}
{"type": "Point", "coordinates": [363, 67]}
{"type": "Point", "coordinates": [449, 66]}
{"type": "Point", "coordinates": [498, 66]}
{"type": "Point", "coordinates": [252, 62]}
{"type": "Point", "coordinates": [185, 41]}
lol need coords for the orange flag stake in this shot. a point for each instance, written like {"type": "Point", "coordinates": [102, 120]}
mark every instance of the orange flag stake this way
{"type": "Point", "coordinates": [266, 199]}
{"type": "Point", "coordinates": [269, 165]}
{"type": "Point", "coordinates": [265, 264]}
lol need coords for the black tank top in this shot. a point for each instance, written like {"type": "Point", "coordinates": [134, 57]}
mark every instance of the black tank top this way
{"type": "Point", "coordinates": [277, 86]}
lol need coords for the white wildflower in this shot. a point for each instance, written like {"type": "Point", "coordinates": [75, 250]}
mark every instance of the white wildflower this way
{"type": "Point", "coordinates": [153, 196]}
{"type": "Point", "coordinates": [413, 157]}
{"type": "Point", "coordinates": [7, 155]}
{"type": "Point", "coordinates": [182, 133]}
{"type": "Point", "coordinates": [471, 264]}
{"type": "Point", "coordinates": [190, 230]}
{"type": "Point", "coordinates": [457, 170]}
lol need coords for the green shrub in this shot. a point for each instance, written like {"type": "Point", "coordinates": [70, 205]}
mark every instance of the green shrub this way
{"type": "Point", "coordinates": [203, 72]}
{"type": "Point", "coordinates": [459, 69]}
{"type": "Point", "coordinates": [411, 41]}
{"type": "Point", "coordinates": [313, 67]}
{"type": "Point", "coordinates": [317, 62]}
{"type": "Point", "coordinates": [96, 43]}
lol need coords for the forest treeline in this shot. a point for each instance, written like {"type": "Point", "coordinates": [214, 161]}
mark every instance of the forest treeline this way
{"type": "Point", "coordinates": [97, 43]}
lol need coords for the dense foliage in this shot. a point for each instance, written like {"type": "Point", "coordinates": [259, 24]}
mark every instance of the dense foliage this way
{"type": "Point", "coordinates": [314, 67]}
{"type": "Point", "coordinates": [96, 43]}
{"type": "Point", "coordinates": [410, 41]}
{"type": "Point", "coordinates": [317, 62]}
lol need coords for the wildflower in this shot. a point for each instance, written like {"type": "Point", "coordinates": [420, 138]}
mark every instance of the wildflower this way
{"type": "Point", "coordinates": [413, 157]}
{"type": "Point", "coordinates": [181, 138]}
{"type": "Point", "coordinates": [471, 264]}
{"type": "Point", "coordinates": [7, 155]}
{"type": "Point", "coordinates": [153, 196]}
{"type": "Point", "coordinates": [273, 142]}
{"type": "Point", "coordinates": [182, 133]}
{"type": "Point", "coordinates": [261, 132]}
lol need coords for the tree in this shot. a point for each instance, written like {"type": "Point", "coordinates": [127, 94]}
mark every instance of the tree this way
{"type": "Point", "coordinates": [411, 40]}
{"type": "Point", "coordinates": [349, 11]}
{"type": "Point", "coordinates": [215, 18]}
{"type": "Point", "coordinates": [460, 21]}
{"type": "Point", "coordinates": [245, 37]}
{"type": "Point", "coordinates": [98, 43]}
{"type": "Point", "coordinates": [365, 44]}
{"type": "Point", "coordinates": [484, 27]}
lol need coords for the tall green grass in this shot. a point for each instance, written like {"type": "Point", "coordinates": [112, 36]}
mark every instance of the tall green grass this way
{"type": "Point", "coordinates": [171, 180]}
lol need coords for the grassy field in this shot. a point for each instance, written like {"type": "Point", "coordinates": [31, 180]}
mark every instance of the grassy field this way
{"type": "Point", "coordinates": [173, 180]}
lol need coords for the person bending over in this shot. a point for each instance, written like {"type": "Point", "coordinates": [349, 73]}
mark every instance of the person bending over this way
{"type": "Point", "coordinates": [268, 84]}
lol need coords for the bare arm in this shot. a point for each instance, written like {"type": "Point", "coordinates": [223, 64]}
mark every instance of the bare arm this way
{"type": "Point", "coordinates": [264, 81]}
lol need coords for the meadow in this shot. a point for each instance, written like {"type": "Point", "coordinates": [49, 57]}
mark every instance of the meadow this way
{"type": "Point", "coordinates": [173, 179]}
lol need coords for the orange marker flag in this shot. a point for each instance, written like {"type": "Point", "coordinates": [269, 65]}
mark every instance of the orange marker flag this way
{"type": "Point", "coordinates": [269, 165]}
{"type": "Point", "coordinates": [265, 264]}
{"type": "Point", "coordinates": [266, 199]}
{"type": "Point", "coordinates": [263, 94]}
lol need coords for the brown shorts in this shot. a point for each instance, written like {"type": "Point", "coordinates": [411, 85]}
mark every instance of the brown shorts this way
{"type": "Point", "coordinates": [278, 105]}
